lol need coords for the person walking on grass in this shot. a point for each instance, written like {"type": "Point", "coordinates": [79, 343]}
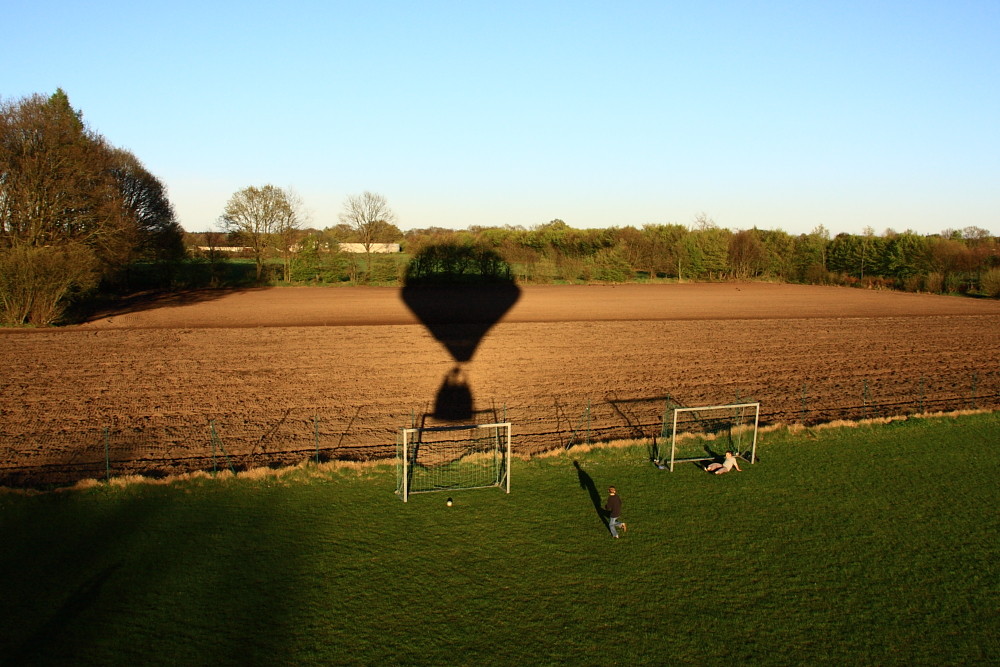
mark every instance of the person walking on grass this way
{"type": "Point", "coordinates": [614, 510]}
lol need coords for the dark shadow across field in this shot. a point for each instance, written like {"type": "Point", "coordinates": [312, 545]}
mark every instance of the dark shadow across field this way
{"type": "Point", "coordinates": [151, 300]}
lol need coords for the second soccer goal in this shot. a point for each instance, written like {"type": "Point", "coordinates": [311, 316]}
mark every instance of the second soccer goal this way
{"type": "Point", "coordinates": [704, 433]}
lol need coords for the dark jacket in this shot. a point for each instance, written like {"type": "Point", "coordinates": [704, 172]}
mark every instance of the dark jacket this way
{"type": "Point", "coordinates": [614, 506]}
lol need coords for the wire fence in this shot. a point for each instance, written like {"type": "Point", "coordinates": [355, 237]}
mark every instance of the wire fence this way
{"type": "Point", "coordinates": [54, 453]}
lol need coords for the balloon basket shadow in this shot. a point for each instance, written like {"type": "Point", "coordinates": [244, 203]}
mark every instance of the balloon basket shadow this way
{"type": "Point", "coordinates": [454, 406]}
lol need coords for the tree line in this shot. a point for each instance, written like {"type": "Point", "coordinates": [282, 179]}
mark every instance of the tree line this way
{"type": "Point", "coordinates": [965, 261]}
{"type": "Point", "coordinates": [80, 217]}
{"type": "Point", "coordinates": [958, 261]}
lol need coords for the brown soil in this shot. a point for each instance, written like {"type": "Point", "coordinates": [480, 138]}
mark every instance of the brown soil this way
{"type": "Point", "coordinates": [268, 376]}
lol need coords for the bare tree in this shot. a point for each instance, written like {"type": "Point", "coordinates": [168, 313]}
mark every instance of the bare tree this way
{"type": "Point", "coordinates": [256, 215]}
{"type": "Point", "coordinates": [976, 234]}
{"type": "Point", "coordinates": [702, 221]}
{"type": "Point", "coordinates": [371, 219]}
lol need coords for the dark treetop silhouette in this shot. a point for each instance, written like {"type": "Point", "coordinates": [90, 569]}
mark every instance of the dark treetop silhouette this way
{"type": "Point", "coordinates": [458, 292]}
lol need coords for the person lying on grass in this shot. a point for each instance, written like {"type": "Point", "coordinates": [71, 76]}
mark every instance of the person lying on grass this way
{"type": "Point", "coordinates": [728, 464]}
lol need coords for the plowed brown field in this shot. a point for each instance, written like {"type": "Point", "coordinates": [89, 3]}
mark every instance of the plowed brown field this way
{"type": "Point", "coordinates": [270, 376]}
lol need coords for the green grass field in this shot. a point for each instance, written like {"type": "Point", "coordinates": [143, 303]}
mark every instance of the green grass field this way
{"type": "Point", "coordinates": [867, 545]}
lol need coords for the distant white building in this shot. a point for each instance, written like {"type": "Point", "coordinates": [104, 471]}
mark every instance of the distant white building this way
{"type": "Point", "coordinates": [225, 248]}
{"type": "Point", "coordinates": [373, 247]}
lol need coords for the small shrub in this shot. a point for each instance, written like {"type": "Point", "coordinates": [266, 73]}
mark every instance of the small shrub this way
{"type": "Point", "coordinates": [913, 283]}
{"type": "Point", "coordinates": [878, 282]}
{"type": "Point", "coordinates": [989, 283]}
{"type": "Point", "coordinates": [954, 283]}
{"type": "Point", "coordinates": [37, 284]}
{"type": "Point", "coordinates": [572, 269]}
{"type": "Point", "coordinates": [934, 282]}
{"type": "Point", "coordinates": [816, 274]}
{"type": "Point", "coordinates": [843, 279]}
{"type": "Point", "coordinates": [326, 268]}
{"type": "Point", "coordinates": [384, 269]}
{"type": "Point", "coordinates": [612, 268]}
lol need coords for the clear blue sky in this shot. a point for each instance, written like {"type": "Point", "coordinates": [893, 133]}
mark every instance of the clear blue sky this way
{"type": "Point", "coordinates": [779, 115]}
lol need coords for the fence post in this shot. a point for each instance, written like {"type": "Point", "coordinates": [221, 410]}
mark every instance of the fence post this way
{"type": "Point", "coordinates": [316, 435]}
{"type": "Point", "coordinates": [805, 386]}
{"type": "Point", "coordinates": [107, 455]}
{"type": "Point", "coordinates": [211, 424]}
{"type": "Point", "coordinates": [575, 426]}
{"type": "Point", "coordinates": [657, 455]}
{"type": "Point", "coordinates": [975, 383]}
{"type": "Point", "coordinates": [864, 399]}
{"type": "Point", "coordinates": [215, 436]}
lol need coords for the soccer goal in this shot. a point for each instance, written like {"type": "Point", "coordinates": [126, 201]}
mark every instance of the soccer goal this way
{"type": "Point", "coordinates": [451, 458]}
{"type": "Point", "coordinates": [705, 433]}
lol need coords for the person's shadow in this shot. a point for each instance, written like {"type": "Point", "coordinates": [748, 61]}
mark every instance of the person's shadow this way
{"type": "Point", "coordinates": [587, 484]}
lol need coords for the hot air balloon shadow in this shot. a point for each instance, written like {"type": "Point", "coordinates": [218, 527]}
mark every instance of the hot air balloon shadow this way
{"type": "Point", "coordinates": [458, 291]}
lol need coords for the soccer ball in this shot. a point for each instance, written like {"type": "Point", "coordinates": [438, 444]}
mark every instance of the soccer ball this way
{"type": "Point", "coordinates": [448, 502]}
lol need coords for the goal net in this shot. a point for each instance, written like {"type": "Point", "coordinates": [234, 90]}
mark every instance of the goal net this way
{"type": "Point", "coordinates": [450, 458]}
{"type": "Point", "coordinates": [707, 433]}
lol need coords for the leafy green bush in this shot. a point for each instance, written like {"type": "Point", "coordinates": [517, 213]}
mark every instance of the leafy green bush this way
{"type": "Point", "coordinates": [955, 283]}
{"type": "Point", "coordinates": [934, 282]}
{"type": "Point", "coordinates": [913, 283]}
{"type": "Point", "coordinates": [572, 269]}
{"type": "Point", "coordinates": [816, 274]}
{"type": "Point", "coordinates": [324, 268]}
{"type": "Point", "coordinates": [37, 284]}
{"type": "Point", "coordinates": [989, 283]}
{"type": "Point", "coordinates": [611, 267]}
{"type": "Point", "coordinates": [385, 269]}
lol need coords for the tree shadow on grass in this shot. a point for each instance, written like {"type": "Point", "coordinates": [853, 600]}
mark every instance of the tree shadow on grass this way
{"type": "Point", "coordinates": [76, 604]}
{"type": "Point", "coordinates": [135, 566]}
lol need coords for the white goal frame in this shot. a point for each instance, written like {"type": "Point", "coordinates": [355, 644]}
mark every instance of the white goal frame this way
{"type": "Point", "coordinates": [411, 439]}
{"type": "Point", "coordinates": [733, 406]}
